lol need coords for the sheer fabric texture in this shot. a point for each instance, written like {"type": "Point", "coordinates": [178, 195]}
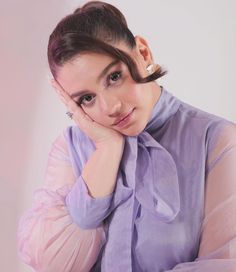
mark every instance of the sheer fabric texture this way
{"type": "Point", "coordinates": [48, 239]}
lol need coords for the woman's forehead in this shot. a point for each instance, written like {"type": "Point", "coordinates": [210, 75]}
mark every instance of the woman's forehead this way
{"type": "Point", "coordinates": [92, 59]}
{"type": "Point", "coordinates": [85, 65]}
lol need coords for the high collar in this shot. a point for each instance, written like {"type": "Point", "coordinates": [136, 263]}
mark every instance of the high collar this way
{"type": "Point", "coordinates": [166, 106]}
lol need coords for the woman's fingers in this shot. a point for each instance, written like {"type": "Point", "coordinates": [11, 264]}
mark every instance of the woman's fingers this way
{"type": "Point", "coordinates": [95, 131]}
{"type": "Point", "coordinates": [72, 106]}
{"type": "Point", "coordinates": [59, 90]}
{"type": "Point", "coordinates": [79, 116]}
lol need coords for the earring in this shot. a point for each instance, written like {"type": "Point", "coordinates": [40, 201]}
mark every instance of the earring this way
{"type": "Point", "coordinates": [150, 68]}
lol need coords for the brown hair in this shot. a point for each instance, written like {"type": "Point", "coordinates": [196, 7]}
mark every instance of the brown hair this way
{"type": "Point", "coordinates": [93, 28]}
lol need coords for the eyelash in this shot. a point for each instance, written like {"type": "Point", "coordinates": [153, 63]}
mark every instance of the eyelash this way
{"type": "Point", "coordinates": [108, 84]}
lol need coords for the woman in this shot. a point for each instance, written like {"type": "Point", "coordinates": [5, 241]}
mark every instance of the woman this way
{"type": "Point", "coordinates": [143, 181]}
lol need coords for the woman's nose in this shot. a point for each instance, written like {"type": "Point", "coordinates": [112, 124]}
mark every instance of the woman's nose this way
{"type": "Point", "coordinates": [111, 105]}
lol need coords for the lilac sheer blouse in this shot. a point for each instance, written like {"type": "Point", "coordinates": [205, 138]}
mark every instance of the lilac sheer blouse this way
{"type": "Point", "coordinates": [173, 208]}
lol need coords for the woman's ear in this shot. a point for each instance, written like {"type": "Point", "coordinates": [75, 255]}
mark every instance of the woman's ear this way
{"type": "Point", "coordinates": [143, 50]}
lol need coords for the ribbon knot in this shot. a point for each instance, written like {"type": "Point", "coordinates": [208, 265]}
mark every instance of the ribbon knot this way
{"type": "Point", "coordinates": [155, 176]}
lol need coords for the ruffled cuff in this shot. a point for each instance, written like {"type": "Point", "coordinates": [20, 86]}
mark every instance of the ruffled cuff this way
{"type": "Point", "coordinates": [88, 212]}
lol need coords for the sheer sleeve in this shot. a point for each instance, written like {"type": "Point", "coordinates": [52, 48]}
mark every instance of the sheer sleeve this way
{"type": "Point", "coordinates": [48, 239]}
{"type": "Point", "coordinates": [218, 237]}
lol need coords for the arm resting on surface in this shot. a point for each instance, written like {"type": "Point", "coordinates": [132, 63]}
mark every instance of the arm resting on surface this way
{"type": "Point", "coordinates": [48, 238]}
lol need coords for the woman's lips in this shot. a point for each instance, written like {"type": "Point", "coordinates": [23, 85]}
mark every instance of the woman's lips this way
{"type": "Point", "coordinates": [123, 121]}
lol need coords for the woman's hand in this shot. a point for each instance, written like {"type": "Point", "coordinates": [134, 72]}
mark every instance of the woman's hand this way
{"type": "Point", "coordinates": [100, 135]}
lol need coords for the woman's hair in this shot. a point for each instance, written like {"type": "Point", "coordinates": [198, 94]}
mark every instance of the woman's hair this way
{"type": "Point", "coordinates": [94, 27]}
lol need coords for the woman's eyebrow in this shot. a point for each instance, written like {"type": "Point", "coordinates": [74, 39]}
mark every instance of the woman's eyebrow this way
{"type": "Point", "coordinates": [106, 69]}
{"type": "Point", "coordinates": [102, 74]}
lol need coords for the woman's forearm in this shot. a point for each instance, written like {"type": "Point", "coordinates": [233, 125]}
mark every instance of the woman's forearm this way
{"type": "Point", "coordinates": [101, 170]}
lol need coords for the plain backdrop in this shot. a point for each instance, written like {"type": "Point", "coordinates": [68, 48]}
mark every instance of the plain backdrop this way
{"type": "Point", "coordinates": [194, 40]}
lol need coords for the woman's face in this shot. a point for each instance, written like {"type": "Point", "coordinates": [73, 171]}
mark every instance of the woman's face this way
{"type": "Point", "coordinates": [105, 90]}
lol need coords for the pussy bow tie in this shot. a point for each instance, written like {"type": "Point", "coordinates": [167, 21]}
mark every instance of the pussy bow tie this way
{"type": "Point", "coordinates": [148, 170]}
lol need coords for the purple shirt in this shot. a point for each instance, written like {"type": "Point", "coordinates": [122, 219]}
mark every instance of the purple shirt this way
{"type": "Point", "coordinates": [153, 219]}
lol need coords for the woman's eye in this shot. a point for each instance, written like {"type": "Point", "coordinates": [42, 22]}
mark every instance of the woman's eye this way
{"type": "Point", "coordinates": [86, 99]}
{"type": "Point", "coordinates": [114, 77]}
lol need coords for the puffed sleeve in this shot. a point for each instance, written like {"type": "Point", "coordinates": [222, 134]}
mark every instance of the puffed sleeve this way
{"type": "Point", "coordinates": [48, 239]}
{"type": "Point", "coordinates": [218, 235]}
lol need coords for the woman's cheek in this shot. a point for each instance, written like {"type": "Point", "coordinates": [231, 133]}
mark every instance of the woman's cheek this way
{"type": "Point", "coordinates": [136, 93]}
{"type": "Point", "coordinates": [96, 116]}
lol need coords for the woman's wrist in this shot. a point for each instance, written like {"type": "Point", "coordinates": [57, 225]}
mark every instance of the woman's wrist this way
{"type": "Point", "coordinates": [101, 170]}
{"type": "Point", "coordinates": [115, 144]}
